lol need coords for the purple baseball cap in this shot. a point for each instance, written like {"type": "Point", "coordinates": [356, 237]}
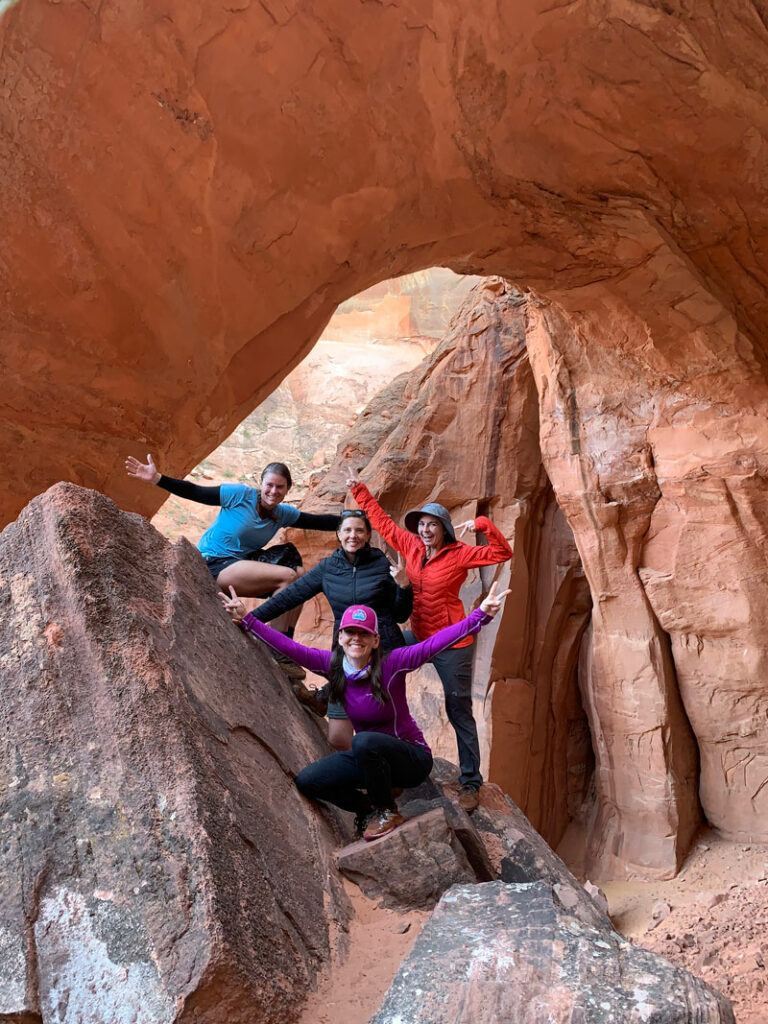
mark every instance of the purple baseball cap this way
{"type": "Point", "coordinates": [360, 616]}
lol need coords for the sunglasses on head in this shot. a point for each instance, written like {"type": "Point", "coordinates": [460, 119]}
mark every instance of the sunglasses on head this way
{"type": "Point", "coordinates": [358, 512]}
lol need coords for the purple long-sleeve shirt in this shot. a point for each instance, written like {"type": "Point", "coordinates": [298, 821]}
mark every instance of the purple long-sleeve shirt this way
{"type": "Point", "coordinates": [366, 714]}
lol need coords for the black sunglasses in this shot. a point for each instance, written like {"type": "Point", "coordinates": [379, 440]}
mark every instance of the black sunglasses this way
{"type": "Point", "coordinates": [353, 512]}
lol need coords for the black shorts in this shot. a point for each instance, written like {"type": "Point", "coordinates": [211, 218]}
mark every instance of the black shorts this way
{"type": "Point", "coordinates": [286, 555]}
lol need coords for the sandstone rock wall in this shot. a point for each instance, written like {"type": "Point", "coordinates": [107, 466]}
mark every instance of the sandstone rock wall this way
{"type": "Point", "coordinates": [661, 475]}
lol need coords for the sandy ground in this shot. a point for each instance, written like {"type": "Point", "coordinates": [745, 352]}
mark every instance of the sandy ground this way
{"type": "Point", "coordinates": [379, 940]}
{"type": "Point", "coordinates": [711, 919]}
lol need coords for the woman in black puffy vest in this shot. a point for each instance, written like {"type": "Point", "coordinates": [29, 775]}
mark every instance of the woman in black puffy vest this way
{"type": "Point", "coordinates": [355, 573]}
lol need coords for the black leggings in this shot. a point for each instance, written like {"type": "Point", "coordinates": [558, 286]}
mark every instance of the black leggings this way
{"type": "Point", "coordinates": [375, 763]}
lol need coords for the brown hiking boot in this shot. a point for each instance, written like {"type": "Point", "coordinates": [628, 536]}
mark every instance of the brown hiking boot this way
{"type": "Point", "coordinates": [469, 798]}
{"type": "Point", "coordinates": [382, 823]}
{"type": "Point", "coordinates": [311, 698]}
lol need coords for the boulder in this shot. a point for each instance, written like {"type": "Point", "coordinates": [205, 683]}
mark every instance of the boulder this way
{"type": "Point", "coordinates": [410, 867]}
{"type": "Point", "coordinates": [523, 856]}
{"type": "Point", "coordinates": [463, 828]}
{"type": "Point", "coordinates": [513, 952]}
{"type": "Point", "coordinates": [157, 864]}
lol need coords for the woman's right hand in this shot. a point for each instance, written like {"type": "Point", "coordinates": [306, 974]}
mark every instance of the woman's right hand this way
{"type": "Point", "coordinates": [399, 573]}
{"type": "Point", "coordinates": [233, 606]}
{"type": "Point", "coordinates": [492, 604]}
{"type": "Point", "coordinates": [142, 471]}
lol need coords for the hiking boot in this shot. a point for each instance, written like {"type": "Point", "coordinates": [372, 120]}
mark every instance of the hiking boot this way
{"type": "Point", "coordinates": [311, 698]}
{"type": "Point", "coordinates": [469, 798]}
{"type": "Point", "coordinates": [290, 668]}
{"type": "Point", "coordinates": [382, 823]}
{"type": "Point", "coordinates": [361, 823]}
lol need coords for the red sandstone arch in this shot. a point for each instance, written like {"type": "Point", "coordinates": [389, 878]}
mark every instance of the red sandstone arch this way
{"type": "Point", "coordinates": [189, 190]}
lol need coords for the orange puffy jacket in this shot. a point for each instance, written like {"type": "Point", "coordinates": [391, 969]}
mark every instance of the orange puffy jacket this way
{"type": "Point", "coordinates": [436, 581]}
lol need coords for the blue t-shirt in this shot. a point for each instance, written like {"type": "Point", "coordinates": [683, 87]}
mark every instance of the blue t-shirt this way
{"type": "Point", "coordinates": [239, 530]}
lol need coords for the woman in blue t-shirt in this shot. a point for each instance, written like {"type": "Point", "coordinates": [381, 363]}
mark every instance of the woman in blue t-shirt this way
{"type": "Point", "coordinates": [233, 547]}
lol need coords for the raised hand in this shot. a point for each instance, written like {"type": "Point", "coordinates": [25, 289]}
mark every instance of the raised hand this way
{"type": "Point", "coordinates": [494, 601]}
{"type": "Point", "coordinates": [469, 526]}
{"type": "Point", "coordinates": [398, 573]}
{"type": "Point", "coordinates": [146, 472]}
{"type": "Point", "coordinates": [352, 477]}
{"type": "Point", "coordinates": [233, 606]}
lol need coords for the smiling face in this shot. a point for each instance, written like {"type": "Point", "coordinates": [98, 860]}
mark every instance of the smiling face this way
{"type": "Point", "coordinates": [354, 533]}
{"type": "Point", "coordinates": [432, 532]}
{"type": "Point", "coordinates": [357, 645]}
{"type": "Point", "coordinates": [272, 490]}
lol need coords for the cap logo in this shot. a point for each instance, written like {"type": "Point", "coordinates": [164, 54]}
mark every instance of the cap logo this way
{"type": "Point", "coordinates": [359, 615]}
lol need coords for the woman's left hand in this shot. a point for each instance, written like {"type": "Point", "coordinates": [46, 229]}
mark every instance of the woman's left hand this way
{"type": "Point", "coordinates": [233, 606]}
{"type": "Point", "coordinates": [469, 526]}
{"type": "Point", "coordinates": [494, 601]}
{"type": "Point", "coordinates": [398, 572]}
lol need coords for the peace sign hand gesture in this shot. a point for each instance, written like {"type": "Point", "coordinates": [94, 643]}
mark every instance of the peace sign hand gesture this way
{"type": "Point", "coordinates": [233, 606]}
{"type": "Point", "coordinates": [468, 526]}
{"type": "Point", "coordinates": [398, 573]}
{"type": "Point", "coordinates": [352, 477]}
{"type": "Point", "coordinates": [494, 601]}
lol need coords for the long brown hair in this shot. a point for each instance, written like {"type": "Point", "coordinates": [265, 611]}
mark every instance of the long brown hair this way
{"type": "Point", "coordinates": [338, 681]}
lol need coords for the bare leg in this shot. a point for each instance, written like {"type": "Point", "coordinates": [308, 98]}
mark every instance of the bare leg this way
{"type": "Point", "coordinates": [255, 579]}
{"type": "Point", "coordinates": [340, 733]}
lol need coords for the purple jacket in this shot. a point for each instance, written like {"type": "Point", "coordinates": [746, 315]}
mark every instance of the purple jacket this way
{"type": "Point", "coordinates": [366, 714]}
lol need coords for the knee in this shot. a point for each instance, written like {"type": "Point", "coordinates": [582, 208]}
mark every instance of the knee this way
{"type": "Point", "coordinates": [307, 782]}
{"type": "Point", "coordinates": [458, 706]}
{"type": "Point", "coordinates": [364, 745]}
{"type": "Point", "coordinates": [225, 579]}
{"type": "Point", "coordinates": [340, 733]}
{"type": "Point", "coordinates": [291, 576]}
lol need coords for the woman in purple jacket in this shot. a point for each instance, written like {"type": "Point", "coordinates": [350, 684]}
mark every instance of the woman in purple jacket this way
{"type": "Point", "coordinates": [388, 749]}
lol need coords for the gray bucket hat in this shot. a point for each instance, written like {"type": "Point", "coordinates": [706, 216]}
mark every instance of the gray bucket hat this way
{"type": "Point", "coordinates": [432, 508]}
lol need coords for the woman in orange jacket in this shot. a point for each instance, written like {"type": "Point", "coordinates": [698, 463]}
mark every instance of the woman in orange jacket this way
{"type": "Point", "coordinates": [437, 565]}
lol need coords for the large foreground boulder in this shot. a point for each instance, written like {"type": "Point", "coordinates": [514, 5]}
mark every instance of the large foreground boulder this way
{"type": "Point", "coordinates": [157, 863]}
{"type": "Point", "coordinates": [512, 952]}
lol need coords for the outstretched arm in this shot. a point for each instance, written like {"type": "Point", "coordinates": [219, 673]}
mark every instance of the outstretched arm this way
{"type": "Point", "coordinates": [411, 658]}
{"type": "Point", "coordinates": [148, 472]}
{"type": "Point", "coordinates": [312, 521]}
{"type": "Point", "coordinates": [308, 657]}
{"type": "Point", "coordinates": [496, 550]}
{"type": "Point", "coordinates": [292, 596]}
{"type": "Point", "coordinates": [400, 539]}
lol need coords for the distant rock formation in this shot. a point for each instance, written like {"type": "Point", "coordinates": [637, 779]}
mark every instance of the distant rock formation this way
{"type": "Point", "coordinates": [370, 340]}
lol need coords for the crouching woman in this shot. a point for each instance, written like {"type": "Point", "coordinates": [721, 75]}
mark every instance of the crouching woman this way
{"type": "Point", "coordinates": [388, 748]}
